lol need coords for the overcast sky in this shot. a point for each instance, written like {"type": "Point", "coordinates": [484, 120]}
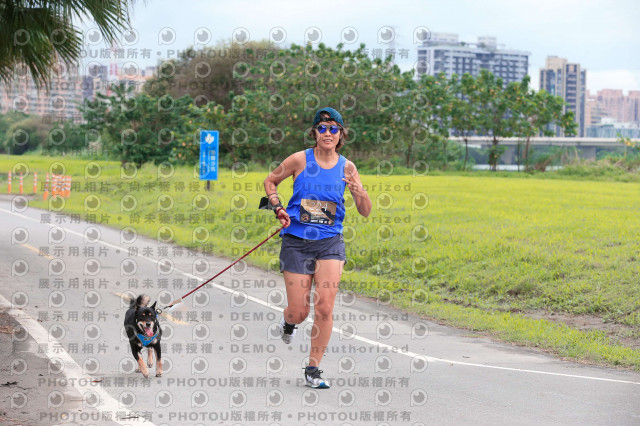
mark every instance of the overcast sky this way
{"type": "Point", "coordinates": [602, 35]}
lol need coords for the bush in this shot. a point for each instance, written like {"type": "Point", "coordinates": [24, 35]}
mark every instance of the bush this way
{"type": "Point", "coordinates": [543, 161]}
{"type": "Point", "coordinates": [608, 168]}
{"type": "Point", "coordinates": [26, 135]}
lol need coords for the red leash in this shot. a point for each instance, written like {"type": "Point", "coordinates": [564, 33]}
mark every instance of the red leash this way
{"type": "Point", "coordinates": [175, 302]}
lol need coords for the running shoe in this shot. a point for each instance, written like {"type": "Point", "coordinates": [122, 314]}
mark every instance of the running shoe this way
{"type": "Point", "coordinates": [314, 379]}
{"type": "Point", "coordinates": [287, 331]}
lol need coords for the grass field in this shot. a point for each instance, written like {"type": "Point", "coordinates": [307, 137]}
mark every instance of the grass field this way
{"type": "Point", "coordinates": [478, 252]}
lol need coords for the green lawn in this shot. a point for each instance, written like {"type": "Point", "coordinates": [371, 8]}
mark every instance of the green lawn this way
{"type": "Point", "coordinates": [469, 250]}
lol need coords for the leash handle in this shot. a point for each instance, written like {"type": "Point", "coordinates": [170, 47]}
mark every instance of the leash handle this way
{"type": "Point", "coordinates": [225, 269]}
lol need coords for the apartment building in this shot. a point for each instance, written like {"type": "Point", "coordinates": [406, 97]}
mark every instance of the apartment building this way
{"type": "Point", "coordinates": [444, 53]}
{"type": "Point", "coordinates": [567, 80]}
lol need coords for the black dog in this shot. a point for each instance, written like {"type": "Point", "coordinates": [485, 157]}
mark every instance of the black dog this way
{"type": "Point", "coordinates": [143, 330]}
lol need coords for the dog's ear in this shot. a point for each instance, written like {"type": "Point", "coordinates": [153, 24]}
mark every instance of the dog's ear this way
{"type": "Point", "coordinates": [153, 306]}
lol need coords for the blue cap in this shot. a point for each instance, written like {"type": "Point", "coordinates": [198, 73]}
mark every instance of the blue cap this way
{"type": "Point", "coordinates": [333, 114]}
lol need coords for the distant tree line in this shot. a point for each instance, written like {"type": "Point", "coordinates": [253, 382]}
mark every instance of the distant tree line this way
{"type": "Point", "coordinates": [263, 100]}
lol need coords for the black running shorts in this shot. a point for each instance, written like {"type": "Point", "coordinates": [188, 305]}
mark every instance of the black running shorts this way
{"type": "Point", "coordinates": [299, 255]}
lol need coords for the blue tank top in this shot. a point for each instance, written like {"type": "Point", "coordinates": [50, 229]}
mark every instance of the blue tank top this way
{"type": "Point", "coordinates": [316, 208]}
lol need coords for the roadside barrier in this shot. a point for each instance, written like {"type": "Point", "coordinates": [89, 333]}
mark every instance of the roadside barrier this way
{"type": "Point", "coordinates": [53, 184]}
{"type": "Point", "coordinates": [46, 187]}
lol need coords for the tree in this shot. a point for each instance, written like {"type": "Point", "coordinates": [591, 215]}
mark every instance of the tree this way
{"type": "Point", "coordinates": [195, 118]}
{"type": "Point", "coordinates": [464, 109]}
{"type": "Point", "coordinates": [535, 111]}
{"type": "Point", "coordinates": [26, 135]}
{"type": "Point", "coordinates": [273, 115]}
{"type": "Point", "coordinates": [426, 110]}
{"type": "Point", "coordinates": [39, 33]}
{"type": "Point", "coordinates": [207, 74]}
{"type": "Point", "coordinates": [6, 121]}
{"type": "Point", "coordinates": [497, 104]}
{"type": "Point", "coordinates": [65, 138]}
{"type": "Point", "coordinates": [137, 129]}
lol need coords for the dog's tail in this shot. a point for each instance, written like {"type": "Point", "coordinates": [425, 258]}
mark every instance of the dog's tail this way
{"type": "Point", "coordinates": [141, 300]}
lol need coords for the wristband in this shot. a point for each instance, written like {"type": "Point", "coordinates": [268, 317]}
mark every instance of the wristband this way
{"type": "Point", "coordinates": [266, 205]}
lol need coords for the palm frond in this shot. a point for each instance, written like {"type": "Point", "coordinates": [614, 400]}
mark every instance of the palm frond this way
{"type": "Point", "coordinates": [41, 33]}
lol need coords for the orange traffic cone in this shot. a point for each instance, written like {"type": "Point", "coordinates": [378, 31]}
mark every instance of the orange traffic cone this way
{"type": "Point", "coordinates": [46, 188]}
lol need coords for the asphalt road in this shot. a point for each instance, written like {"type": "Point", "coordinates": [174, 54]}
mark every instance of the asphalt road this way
{"type": "Point", "coordinates": [64, 358]}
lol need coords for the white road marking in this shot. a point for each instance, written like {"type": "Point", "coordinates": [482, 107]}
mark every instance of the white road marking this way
{"type": "Point", "coordinates": [353, 336]}
{"type": "Point", "coordinates": [72, 371]}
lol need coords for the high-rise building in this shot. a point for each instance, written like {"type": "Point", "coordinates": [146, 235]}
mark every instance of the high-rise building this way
{"type": "Point", "coordinates": [633, 105]}
{"type": "Point", "coordinates": [443, 53]}
{"type": "Point", "coordinates": [68, 89]}
{"type": "Point", "coordinates": [614, 104]}
{"type": "Point", "coordinates": [593, 111]}
{"type": "Point", "coordinates": [569, 81]}
{"type": "Point", "coordinates": [610, 113]}
{"type": "Point", "coordinates": [59, 100]}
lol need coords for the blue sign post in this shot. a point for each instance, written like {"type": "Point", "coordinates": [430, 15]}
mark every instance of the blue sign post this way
{"type": "Point", "coordinates": [209, 155]}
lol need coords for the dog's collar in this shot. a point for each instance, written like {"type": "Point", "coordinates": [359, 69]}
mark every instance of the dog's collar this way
{"type": "Point", "coordinates": [146, 340]}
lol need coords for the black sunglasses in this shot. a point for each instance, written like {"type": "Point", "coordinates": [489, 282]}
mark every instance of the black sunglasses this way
{"type": "Point", "coordinates": [323, 128]}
